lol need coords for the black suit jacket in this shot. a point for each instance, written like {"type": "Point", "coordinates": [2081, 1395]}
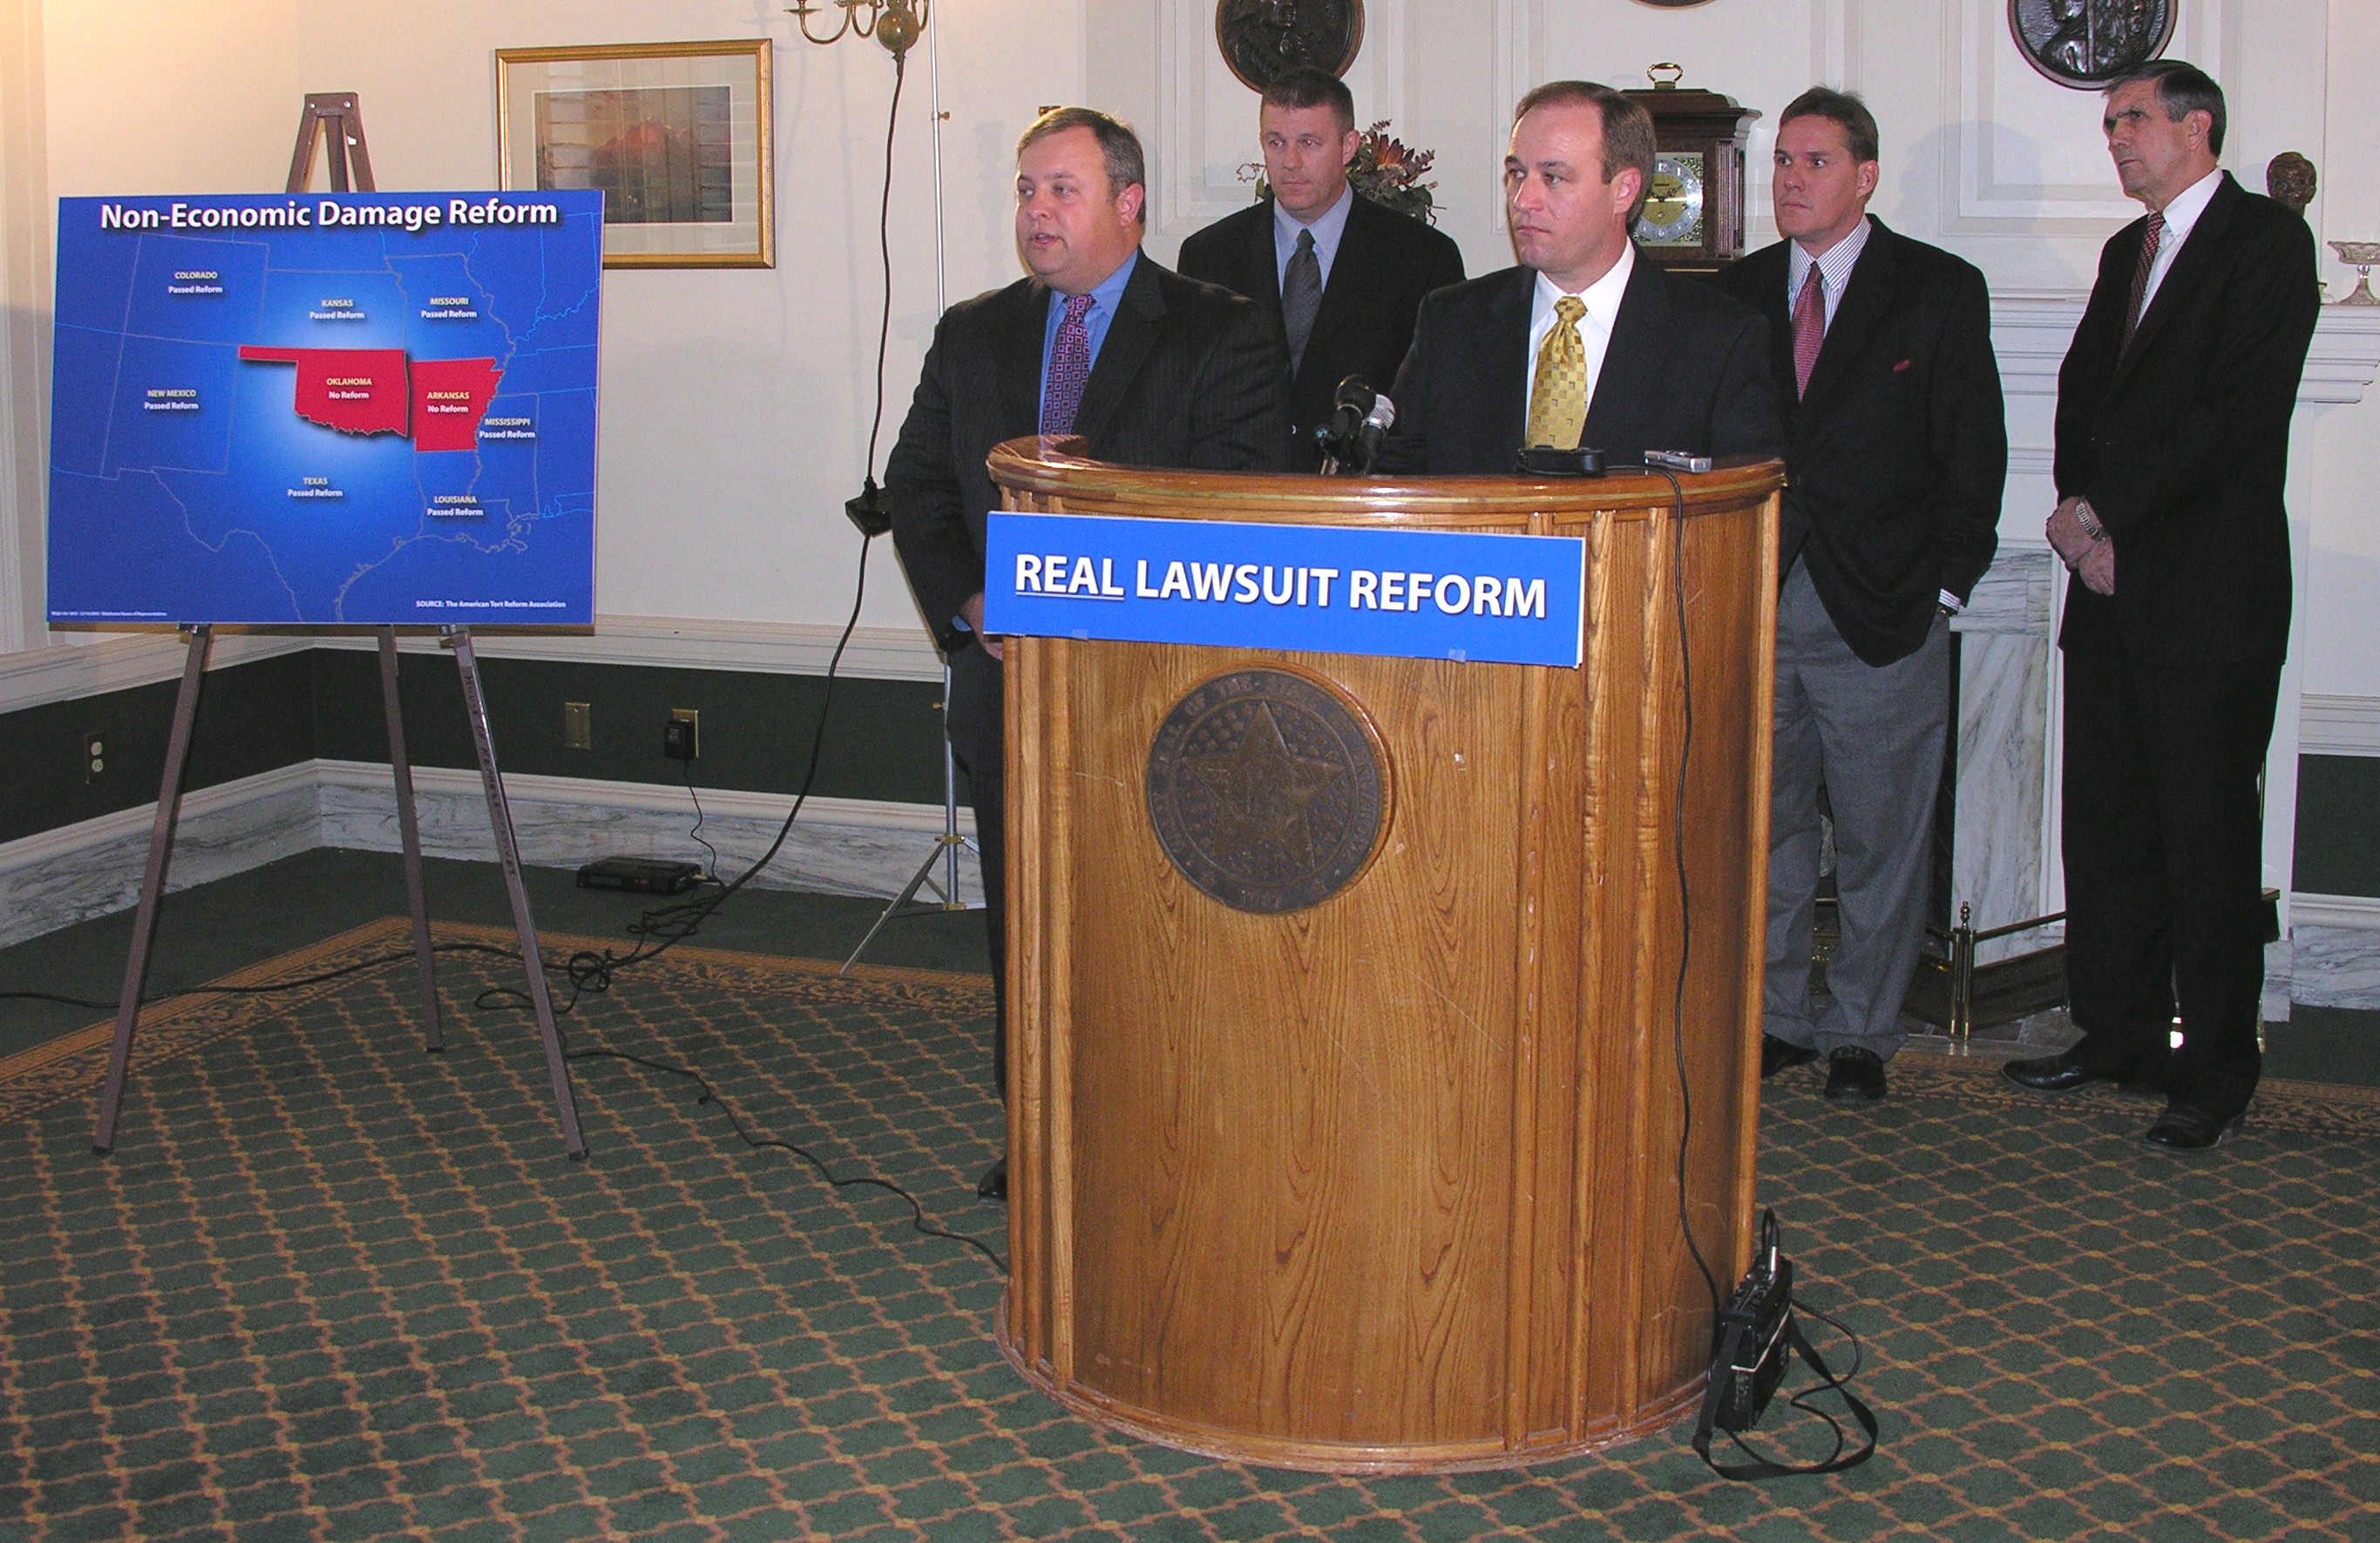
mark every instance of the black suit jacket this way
{"type": "Point", "coordinates": [1898, 453]}
{"type": "Point", "coordinates": [2181, 442]}
{"type": "Point", "coordinates": [1189, 376]}
{"type": "Point", "coordinates": [1386, 262]}
{"type": "Point", "coordinates": [1686, 370]}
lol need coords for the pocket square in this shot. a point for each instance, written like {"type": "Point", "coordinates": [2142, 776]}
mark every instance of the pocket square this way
{"type": "Point", "coordinates": [1903, 365]}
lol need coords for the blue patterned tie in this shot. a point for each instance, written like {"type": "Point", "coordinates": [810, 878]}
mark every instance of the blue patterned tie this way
{"type": "Point", "coordinates": [1070, 366]}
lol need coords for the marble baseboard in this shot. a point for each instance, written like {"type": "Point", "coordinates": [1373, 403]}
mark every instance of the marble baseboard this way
{"type": "Point", "coordinates": [840, 845]}
{"type": "Point", "coordinates": [71, 874]}
{"type": "Point", "coordinates": [2336, 946]}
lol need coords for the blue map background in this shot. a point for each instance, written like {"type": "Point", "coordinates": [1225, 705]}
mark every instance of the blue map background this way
{"type": "Point", "coordinates": [187, 517]}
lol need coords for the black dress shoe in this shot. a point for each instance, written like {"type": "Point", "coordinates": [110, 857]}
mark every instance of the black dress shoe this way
{"type": "Point", "coordinates": [993, 1185]}
{"type": "Point", "coordinates": [1778, 1054]}
{"type": "Point", "coordinates": [1855, 1077]}
{"type": "Point", "coordinates": [2186, 1129]}
{"type": "Point", "coordinates": [2053, 1074]}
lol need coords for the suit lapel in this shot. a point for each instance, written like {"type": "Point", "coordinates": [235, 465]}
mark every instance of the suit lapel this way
{"type": "Point", "coordinates": [1632, 360]}
{"type": "Point", "coordinates": [1507, 355]}
{"type": "Point", "coordinates": [1868, 299]}
{"type": "Point", "coordinates": [1023, 331]}
{"type": "Point", "coordinates": [1349, 281]}
{"type": "Point", "coordinates": [2189, 264]}
{"type": "Point", "coordinates": [1263, 265]}
{"type": "Point", "coordinates": [1131, 334]}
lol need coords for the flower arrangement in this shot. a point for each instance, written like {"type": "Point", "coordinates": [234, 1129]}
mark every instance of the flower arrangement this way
{"type": "Point", "coordinates": [1385, 170]}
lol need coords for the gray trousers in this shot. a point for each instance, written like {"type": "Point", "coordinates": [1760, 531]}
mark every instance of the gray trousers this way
{"type": "Point", "coordinates": [1874, 737]}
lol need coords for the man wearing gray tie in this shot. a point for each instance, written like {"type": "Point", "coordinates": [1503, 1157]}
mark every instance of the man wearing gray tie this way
{"type": "Point", "coordinates": [1344, 275]}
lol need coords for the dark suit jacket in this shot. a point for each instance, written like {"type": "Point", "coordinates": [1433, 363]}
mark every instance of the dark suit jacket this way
{"type": "Point", "coordinates": [2181, 442]}
{"type": "Point", "coordinates": [1687, 370]}
{"type": "Point", "coordinates": [1386, 262]}
{"type": "Point", "coordinates": [1898, 453]}
{"type": "Point", "coordinates": [1189, 376]}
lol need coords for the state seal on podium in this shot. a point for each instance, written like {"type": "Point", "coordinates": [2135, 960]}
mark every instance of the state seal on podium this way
{"type": "Point", "coordinates": [1266, 790]}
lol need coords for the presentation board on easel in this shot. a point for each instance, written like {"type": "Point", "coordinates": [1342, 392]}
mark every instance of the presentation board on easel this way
{"type": "Point", "coordinates": [435, 467]}
{"type": "Point", "coordinates": [343, 409]}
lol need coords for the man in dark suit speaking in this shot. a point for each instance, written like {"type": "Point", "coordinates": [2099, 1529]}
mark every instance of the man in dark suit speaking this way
{"type": "Point", "coordinates": [1897, 448]}
{"type": "Point", "coordinates": [1585, 343]}
{"type": "Point", "coordinates": [1343, 275]}
{"type": "Point", "coordinates": [1149, 368]}
{"type": "Point", "coordinates": [2173, 438]}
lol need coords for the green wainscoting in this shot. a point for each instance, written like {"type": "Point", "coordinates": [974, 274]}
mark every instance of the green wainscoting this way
{"type": "Point", "coordinates": [883, 741]}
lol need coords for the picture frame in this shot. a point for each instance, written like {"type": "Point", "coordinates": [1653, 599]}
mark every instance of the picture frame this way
{"type": "Point", "coordinates": [677, 135]}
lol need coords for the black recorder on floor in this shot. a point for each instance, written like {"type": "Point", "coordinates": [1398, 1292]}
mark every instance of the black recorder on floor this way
{"type": "Point", "coordinates": [640, 876]}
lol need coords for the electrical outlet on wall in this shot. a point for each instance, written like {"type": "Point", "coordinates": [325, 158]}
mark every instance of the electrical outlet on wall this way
{"type": "Point", "coordinates": [94, 754]}
{"type": "Point", "coordinates": [682, 736]}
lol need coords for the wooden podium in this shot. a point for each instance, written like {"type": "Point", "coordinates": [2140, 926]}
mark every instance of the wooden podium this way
{"type": "Point", "coordinates": [1390, 1183]}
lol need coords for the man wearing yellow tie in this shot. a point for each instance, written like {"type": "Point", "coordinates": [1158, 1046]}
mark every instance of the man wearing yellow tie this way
{"type": "Point", "coordinates": [1584, 343]}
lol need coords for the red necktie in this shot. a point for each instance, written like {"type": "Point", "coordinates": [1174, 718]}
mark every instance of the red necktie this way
{"type": "Point", "coordinates": [2149, 243]}
{"type": "Point", "coordinates": [1809, 330]}
{"type": "Point", "coordinates": [1070, 369]}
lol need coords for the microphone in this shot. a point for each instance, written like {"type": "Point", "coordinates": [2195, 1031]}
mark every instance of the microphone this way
{"type": "Point", "coordinates": [1357, 423]}
{"type": "Point", "coordinates": [1375, 426]}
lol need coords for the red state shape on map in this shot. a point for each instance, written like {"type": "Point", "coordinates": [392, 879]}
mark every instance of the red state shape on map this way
{"type": "Point", "coordinates": [450, 396]}
{"type": "Point", "coordinates": [356, 391]}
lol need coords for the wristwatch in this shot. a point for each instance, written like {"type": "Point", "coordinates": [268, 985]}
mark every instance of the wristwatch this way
{"type": "Point", "coordinates": [2088, 518]}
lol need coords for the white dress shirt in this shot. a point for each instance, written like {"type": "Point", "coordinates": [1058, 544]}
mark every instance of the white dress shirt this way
{"type": "Point", "coordinates": [1602, 299]}
{"type": "Point", "coordinates": [2180, 216]}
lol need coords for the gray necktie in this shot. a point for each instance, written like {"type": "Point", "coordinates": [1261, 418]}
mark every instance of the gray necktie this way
{"type": "Point", "coordinates": [1301, 297]}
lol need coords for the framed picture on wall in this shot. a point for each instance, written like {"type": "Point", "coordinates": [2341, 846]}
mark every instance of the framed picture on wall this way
{"type": "Point", "coordinates": [675, 136]}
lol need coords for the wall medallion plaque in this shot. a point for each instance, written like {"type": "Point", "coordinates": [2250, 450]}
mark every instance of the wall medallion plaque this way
{"type": "Point", "coordinates": [1261, 38]}
{"type": "Point", "coordinates": [1265, 790]}
{"type": "Point", "coordinates": [2086, 43]}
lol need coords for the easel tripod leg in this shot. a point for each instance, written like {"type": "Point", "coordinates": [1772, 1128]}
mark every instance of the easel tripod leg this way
{"type": "Point", "coordinates": [500, 817]}
{"type": "Point", "coordinates": [409, 832]}
{"type": "Point", "coordinates": [152, 887]}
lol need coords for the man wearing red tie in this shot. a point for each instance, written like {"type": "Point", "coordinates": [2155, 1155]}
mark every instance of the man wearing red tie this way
{"type": "Point", "coordinates": [1896, 453]}
{"type": "Point", "coordinates": [2173, 436]}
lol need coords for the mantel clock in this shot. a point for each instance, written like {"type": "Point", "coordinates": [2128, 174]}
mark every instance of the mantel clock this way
{"type": "Point", "coordinates": [1692, 219]}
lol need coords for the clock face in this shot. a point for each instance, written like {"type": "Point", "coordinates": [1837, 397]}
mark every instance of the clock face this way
{"type": "Point", "coordinates": [1673, 203]}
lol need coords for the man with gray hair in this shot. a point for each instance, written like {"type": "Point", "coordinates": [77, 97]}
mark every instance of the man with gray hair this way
{"type": "Point", "coordinates": [1097, 342]}
{"type": "Point", "coordinates": [2173, 445]}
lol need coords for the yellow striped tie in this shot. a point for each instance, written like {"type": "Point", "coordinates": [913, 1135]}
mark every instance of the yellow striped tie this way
{"type": "Point", "coordinates": [1557, 397]}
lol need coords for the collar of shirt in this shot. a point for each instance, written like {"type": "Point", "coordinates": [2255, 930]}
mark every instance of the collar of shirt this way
{"type": "Point", "coordinates": [1105, 298]}
{"type": "Point", "coordinates": [2180, 217]}
{"type": "Point", "coordinates": [1834, 264]}
{"type": "Point", "coordinates": [1328, 228]}
{"type": "Point", "coordinates": [1602, 299]}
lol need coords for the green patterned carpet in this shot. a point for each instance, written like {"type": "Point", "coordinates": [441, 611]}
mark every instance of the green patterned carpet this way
{"type": "Point", "coordinates": [329, 1287]}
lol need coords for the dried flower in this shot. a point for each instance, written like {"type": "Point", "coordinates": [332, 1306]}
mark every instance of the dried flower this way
{"type": "Point", "coordinates": [1386, 170]}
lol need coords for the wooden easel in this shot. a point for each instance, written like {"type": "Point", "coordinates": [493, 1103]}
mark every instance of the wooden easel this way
{"type": "Point", "coordinates": [339, 114]}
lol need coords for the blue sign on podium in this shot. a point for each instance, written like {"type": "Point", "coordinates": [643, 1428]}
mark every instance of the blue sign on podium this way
{"type": "Point", "coordinates": [1406, 594]}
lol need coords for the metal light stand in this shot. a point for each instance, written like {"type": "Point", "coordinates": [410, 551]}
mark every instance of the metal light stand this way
{"type": "Point", "coordinates": [949, 843]}
{"type": "Point", "coordinates": [947, 847]}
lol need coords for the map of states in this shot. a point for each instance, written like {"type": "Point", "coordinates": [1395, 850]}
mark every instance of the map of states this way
{"type": "Point", "coordinates": [349, 409]}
